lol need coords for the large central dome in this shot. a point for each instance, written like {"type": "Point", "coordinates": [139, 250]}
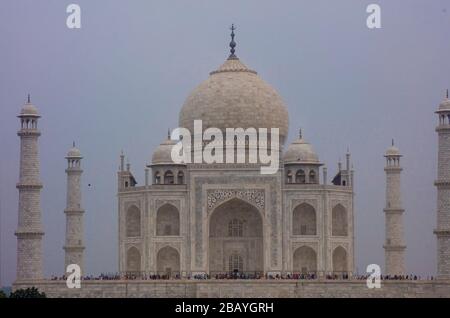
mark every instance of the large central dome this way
{"type": "Point", "coordinates": [234, 96]}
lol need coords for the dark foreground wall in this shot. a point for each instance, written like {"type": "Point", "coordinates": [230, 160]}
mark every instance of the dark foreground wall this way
{"type": "Point", "coordinates": [241, 288]}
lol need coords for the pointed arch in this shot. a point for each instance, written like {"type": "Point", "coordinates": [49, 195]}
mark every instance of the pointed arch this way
{"type": "Point", "coordinates": [300, 176]}
{"type": "Point", "coordinates": [167, 220]}
{"type": "Point", "coordinates": [168, 261]}
{"type": "Point", "coordinates": [133, 222]}
{"type": "Point", "coordinates": [305, 260]}
{"type": "Point", "coordinates": [304, 220]}
{"type": "Point", "coordinates": [340, 261]}
{"type": "Point", "coordinates": [339, 226]}
{"type": "Point", "coordinates": [169, 177]}
{"type": "Point", "coordinates": [133, 260]}
{"type": "Point", "coordinates": [236, 230]}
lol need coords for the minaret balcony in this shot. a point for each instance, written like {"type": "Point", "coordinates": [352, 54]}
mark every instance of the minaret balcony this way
{"type": "Point", "coordinates": [394, 210]}
{"type": "Point", "coordinates": [443, 128]}
{"type": "Point", "coordinates": [30, 186]}
{"type": "Point", "coordinates": [28, 233]}
{"type": "Point", "coordinates": [442, 232]}
{"type": "Point", "coordinates": [442, 183]}
{"type": "Point", "coordinates": [28, 132]}
{"type": "Point", "coordinates": [394, 247]}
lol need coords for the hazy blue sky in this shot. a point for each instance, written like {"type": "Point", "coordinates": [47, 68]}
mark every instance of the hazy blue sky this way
{"type": "Point", "coordinates": [120, 81]}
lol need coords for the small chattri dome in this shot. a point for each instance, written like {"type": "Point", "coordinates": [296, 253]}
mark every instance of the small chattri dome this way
{"type": "Point", "coordinates": [163, 153]}
{"type": "Point", "coordinates": [29, 109]}
{"type": "Point", "coordinates": [392, 150]}
{"type": "Point", "coordinates": [74, 152]}
{"type": "Point", "coordinates": [300, 151]}
{"type": "Point", "coordinates": [445, 104]}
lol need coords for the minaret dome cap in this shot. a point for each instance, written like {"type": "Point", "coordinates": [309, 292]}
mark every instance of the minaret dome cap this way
{"type": "Point", "coordinates": [74, 153]}
{"type": "Point", "coordinates": [392, 151]}
{"type": "Point", "coordinates": [445, 104]}
{"type": "Point", "coordinates": [29, 110]}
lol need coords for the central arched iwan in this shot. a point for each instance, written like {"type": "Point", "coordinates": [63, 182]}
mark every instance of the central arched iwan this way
{"type": "Point", "coordinates": [236, 233]}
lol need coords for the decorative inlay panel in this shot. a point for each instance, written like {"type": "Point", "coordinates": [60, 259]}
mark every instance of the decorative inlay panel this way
{"type": "Point", "coordinates": [254, 196]}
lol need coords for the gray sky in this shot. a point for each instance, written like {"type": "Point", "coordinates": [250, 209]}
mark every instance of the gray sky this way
{"type": "Point", "coordinates": [120, 81]}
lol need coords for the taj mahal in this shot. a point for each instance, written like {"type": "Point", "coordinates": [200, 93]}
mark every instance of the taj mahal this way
{"type": "Point", "coordinates": [191, 220]}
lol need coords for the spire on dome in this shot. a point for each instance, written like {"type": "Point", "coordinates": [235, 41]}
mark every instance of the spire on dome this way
{"type": "Point", "coordinates": [232, 44]}
{"type": "Point", "coordinates": [29, 98]}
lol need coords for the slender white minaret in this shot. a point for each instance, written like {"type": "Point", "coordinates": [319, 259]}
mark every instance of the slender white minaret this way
{"type": "Point", "coordinates": [29, 230]}
{"type": "Point", "coordinates": [394, 246]}
{"type": "Point", "coordinates": [442, 183]}
{"type": "Point", "coordinates": [74, 247]}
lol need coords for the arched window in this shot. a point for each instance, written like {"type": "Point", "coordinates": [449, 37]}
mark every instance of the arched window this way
{"type": "Point", "coordinates": [168, 261]}
{"type": "Point", "coordinates": [235, 263]}
{"type": "Point", "coordinates": [133, 260]}
{"type": "Point", "coordinates": [339, 221]}
{"type": "Point", "coordinates": [305, 260]}
{"type": "Point", "coordinates": [304, 220]}
{"type": "Point", "coordinates": [133, 222]}
{"type": "Point", "coordinates": [180, 177]}
{"type": "Point", "coordinates": [157, 177]}
{"type": "Point", "coordinates": [340, 265]}
{"type": "Point", "coordinates": [168, 177]}
{"type": "Point", "coordinates": [289, 176]}
{"type": "Point", "coordinates": [235, 228]}
{"type": "Point", "coordinates": [312, 176]}
{"type": "Point", "coordinates": [300, 176]}
{"type": "Point", "coordinates": [167, 221]}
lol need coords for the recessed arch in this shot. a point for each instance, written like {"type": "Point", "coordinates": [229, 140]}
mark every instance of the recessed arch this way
{"type": "Point", "coordinates": [244, 220]}
{"type": "Point", "coordinates": [133, 222]}
{"type": "Point", "coordinates": [133, 260]}
{"type": "Point", "coordinates": [304, 220]}
{"type": "Point", "coordinates": [168, 261]}
{"type": "Point", "coordinates": [339, 226]}
{"type": "Point", "coordinates": [300, 176]}
{"type": "Point", "coordinates": [169, 177]}
{"type": "Point", "coordinates": [340, 262]}
{"type": "Point", "coordinates": [167, 220]}
{"type": "Point", "coordinates": [305, 260]}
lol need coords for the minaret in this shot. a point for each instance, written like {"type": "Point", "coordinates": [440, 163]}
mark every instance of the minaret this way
{"type": "Point", "coordinates": [29, 230]}
{"type": "Point", "coordinates": [442, 183]}
{"type": "Point", "coordinates": [394, 247]}
{"type": "Point", "coordinates": [74, 246]}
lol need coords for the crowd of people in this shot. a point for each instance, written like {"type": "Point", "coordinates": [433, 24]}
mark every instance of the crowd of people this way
{"type": "Point", "coordinates": [238, 275]}
{"type": "Point", "coordinates": [395, 277]}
